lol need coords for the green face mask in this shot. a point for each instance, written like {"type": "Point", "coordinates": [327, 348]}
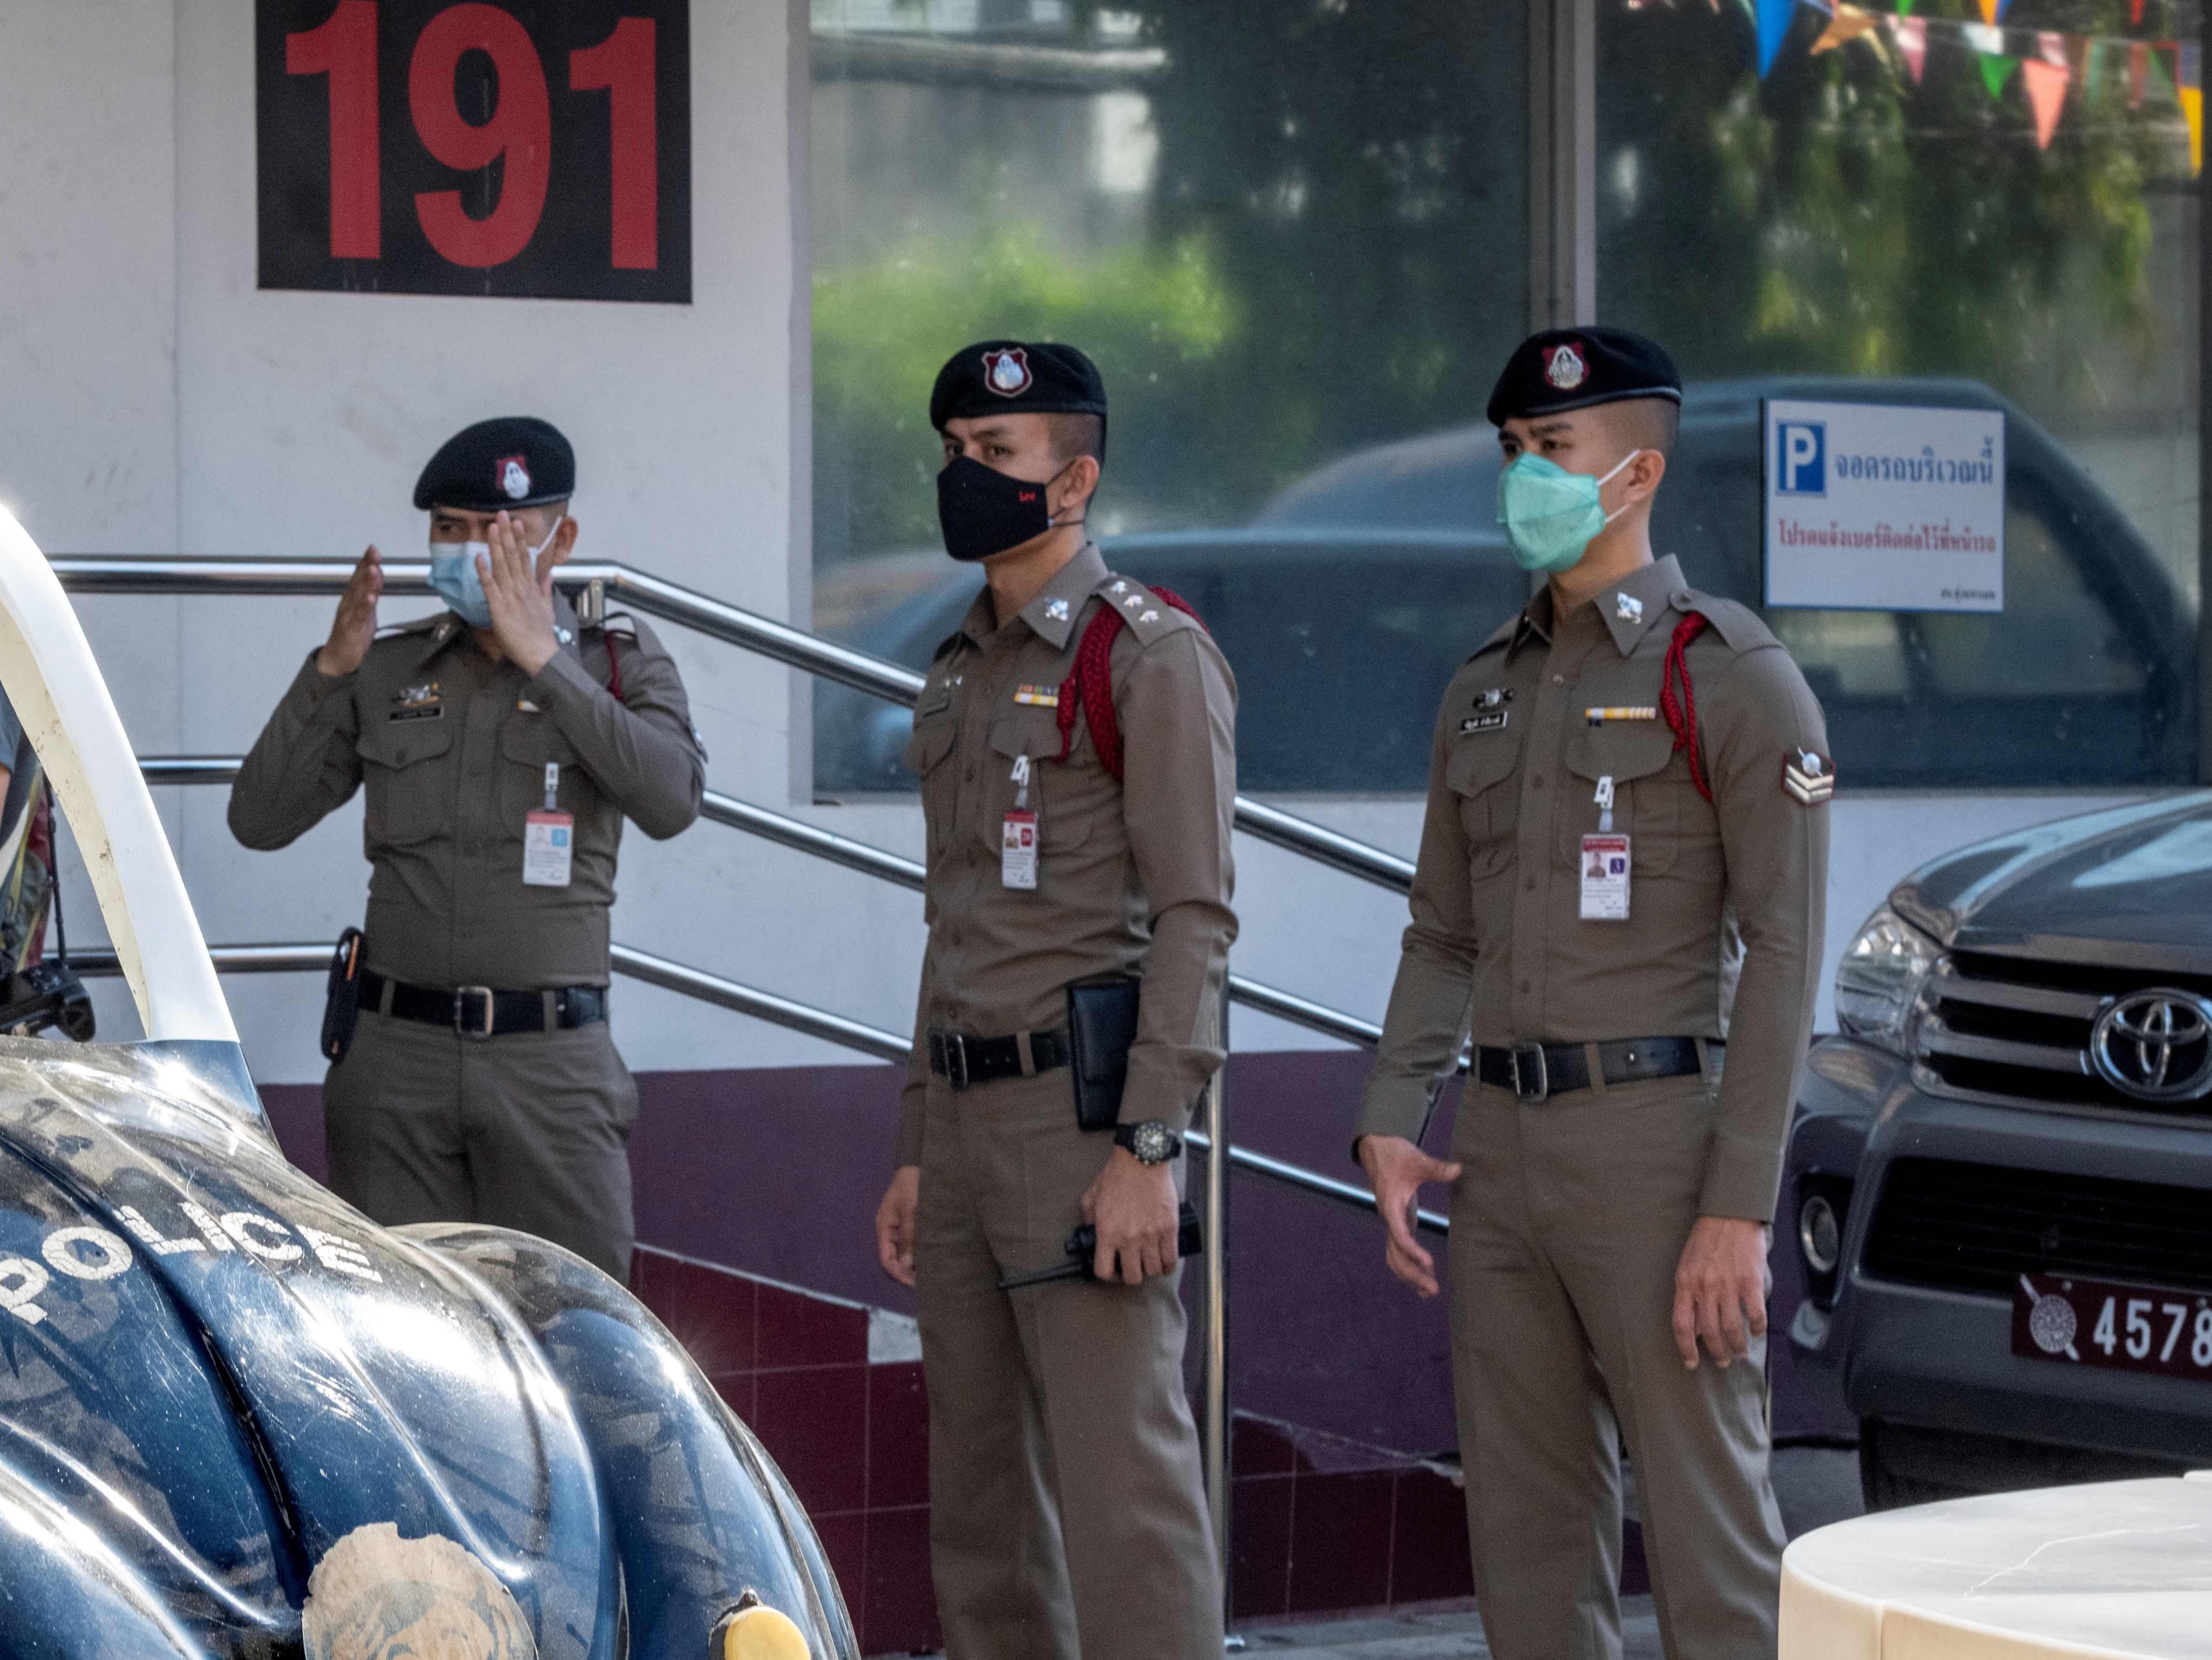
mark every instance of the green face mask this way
{"type": "Point", "coordinates": [1550, 515]}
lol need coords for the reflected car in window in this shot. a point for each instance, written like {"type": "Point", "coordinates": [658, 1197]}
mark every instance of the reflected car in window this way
{"type": "Point", "coordinates": [1346, 605]}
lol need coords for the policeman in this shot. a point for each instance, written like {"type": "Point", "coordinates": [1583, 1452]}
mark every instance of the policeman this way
{"type": "Point", "coordinates": [1075, 745]}
{"type": "Point", "coordinates": [1625, 817]}
{"type": "Point", "coordinates": [502, 743]}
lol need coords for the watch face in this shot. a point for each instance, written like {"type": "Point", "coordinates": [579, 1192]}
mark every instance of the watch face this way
{"type": "Point", "coordinates": [1152, 1143]}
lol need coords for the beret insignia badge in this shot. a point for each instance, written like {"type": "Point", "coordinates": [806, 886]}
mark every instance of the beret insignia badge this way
{"type": "Point", "coordinates": [514, 478]}
{"type": "Point", "coordinates": [1808, 778]}
{"type": "Point", "coordinates": [1007, 372]}
{"type": "Point", "coordinates": [1563, 367]}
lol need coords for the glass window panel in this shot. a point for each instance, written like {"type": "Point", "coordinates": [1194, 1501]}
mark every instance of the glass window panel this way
{"type": "Point", "coordinates": [1881, 217]}
{"type": "Point", "coordinates": [1293, 236]}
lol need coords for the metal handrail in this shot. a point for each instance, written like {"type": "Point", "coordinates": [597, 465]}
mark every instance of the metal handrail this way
{"type": "Point", "coordinates": [778, 1011]}
{"type": "Point", "coordinates": [141, 574]}
{"type": "Point", "coordinates": [819, 843]}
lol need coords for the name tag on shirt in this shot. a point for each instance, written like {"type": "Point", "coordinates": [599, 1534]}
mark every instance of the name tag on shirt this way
{"type": "Point", "coordinates": [1018, 850]}
{"type": "Point", "coordinates": [548, 849]}
{"type": "Point", "coordinates": [1605, 878]}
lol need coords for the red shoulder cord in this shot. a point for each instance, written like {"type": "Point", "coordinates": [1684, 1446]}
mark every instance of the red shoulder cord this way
{"type": "Point", "coordinates": [1090, 684]}
{"type": "Point", "coordinates": [1681, 712]}
{"type": "Point", "coordinates": [614, 666]}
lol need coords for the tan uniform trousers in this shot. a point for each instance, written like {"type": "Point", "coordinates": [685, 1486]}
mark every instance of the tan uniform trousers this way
{"type": "Point", "coordinates": [1067, 1516]}
{"type": "Point", "coordinates": [1567, 1223]}
{"type": "Point", "coordinates": [528, 1130]}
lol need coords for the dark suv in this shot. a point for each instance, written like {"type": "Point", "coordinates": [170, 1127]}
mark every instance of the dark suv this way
{"type": "Point", "coordinates": [1346, 606]}
{"type": "Point", "coordinates": [2000, 1174]}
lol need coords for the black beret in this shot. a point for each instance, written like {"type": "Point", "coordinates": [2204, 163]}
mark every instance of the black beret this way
{"type": "Point", "coordinates": [1574, 368]}
{"type": "Point", "coordinates": [1035, 378]}
{"type": "Point", "coordinates": [514, 461]}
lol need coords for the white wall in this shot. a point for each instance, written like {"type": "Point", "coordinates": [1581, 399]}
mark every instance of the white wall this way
{"type": "Point", "coordinates": [153, 399]}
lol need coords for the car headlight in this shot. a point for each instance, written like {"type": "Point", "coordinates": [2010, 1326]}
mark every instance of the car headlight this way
{"type": "Point", "coordinates": [1878, 987]}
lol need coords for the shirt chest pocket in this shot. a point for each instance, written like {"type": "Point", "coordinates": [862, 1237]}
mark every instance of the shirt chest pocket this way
{"type": "Point", "coordinates": [925, 758]}
{"type": "Point", "coordinates": [1482, 770]}
{"type": "Point", "coordinates": [528, 744]}
{"type": "Point", "coordinates": [1067, 796]}
{"type": "Point", "coordinates": [1648, 787]}
{"type": "Point", "coordinates": [406, 784]}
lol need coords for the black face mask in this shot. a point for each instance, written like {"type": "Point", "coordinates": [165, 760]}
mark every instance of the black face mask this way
{"type": "Point", "coordinates": [983, 512]}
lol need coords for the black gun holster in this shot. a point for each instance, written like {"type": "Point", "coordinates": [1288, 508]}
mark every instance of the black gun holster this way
{"type": "Point", "coordinates": [1102, 1026]}
{"type": "Point", "coordinates": [342, 997]}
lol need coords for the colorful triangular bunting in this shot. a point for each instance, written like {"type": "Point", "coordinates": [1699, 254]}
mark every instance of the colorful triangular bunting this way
{"type": "Point", "coordinates": [2045, 83]}
{"type": "Point", "coordinates": [1997, 70]}
{"type": "Point", "coordinates": [1774, 17]}
{"type": "Point", "coordinates": [1911, 35]}
{"type": "Point", "coordinates": [1847, 25]}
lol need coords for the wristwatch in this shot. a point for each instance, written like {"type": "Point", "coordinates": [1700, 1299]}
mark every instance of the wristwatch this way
{"type": "Point", "coordinates": [1151, 1142]}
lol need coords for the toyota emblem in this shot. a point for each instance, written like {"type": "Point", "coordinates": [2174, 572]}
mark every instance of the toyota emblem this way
{"type": "Point", "coordinates": [2155, 1045]}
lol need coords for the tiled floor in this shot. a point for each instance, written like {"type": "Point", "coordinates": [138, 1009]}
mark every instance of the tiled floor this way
{"type": "Point", "coordinates": [1429, 1634]}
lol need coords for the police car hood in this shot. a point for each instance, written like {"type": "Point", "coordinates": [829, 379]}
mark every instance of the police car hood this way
{"type": "Point", "coordinates": [217, 1381]}
{"type": "Point", "coordinates": [2131, 887]}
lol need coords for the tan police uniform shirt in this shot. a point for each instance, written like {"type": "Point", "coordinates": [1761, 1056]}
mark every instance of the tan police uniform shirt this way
{"type": "Point", "coordinates": [1134, 878]}
{"type": "Point", "coordinates": [1730, 889]}
{"type": "Point", "coordinates": [452, 749]}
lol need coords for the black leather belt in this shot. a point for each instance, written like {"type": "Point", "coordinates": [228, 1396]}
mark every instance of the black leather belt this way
{"type": "Point", "coordinates": [1536, 1071]}
{"type": "Point", "coordinates": [480, 1012]}
{"type": "Point", "coordinates": [961, 1059]}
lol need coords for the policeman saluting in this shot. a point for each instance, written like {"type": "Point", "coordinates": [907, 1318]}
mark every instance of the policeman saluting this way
{"type": "Point", "coordinates": [501, 744]}
{"type": "Point", "coordinates": [1625, 815]}
{"type": "Point", "coordinates": [1075, 745]}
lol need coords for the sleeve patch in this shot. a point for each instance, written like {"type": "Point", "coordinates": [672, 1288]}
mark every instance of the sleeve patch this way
{"type": "Point", "coordinates": [1809, 778]}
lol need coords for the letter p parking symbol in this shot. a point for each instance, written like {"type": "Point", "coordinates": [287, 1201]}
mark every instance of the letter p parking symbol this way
{"type": "Point", "coordinates": [1801, 461]}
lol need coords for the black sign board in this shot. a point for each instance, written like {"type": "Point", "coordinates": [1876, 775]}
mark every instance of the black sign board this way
{"type": "Point", "coordinates": [529, 148]}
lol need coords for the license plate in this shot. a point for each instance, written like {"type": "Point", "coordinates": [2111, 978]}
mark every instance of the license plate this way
{"type": "Point", "coordinates": [2096, 1323]}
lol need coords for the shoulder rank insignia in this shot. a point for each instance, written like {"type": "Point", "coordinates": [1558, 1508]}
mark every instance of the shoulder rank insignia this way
{"type": "Point", "coordinates": [1631, 609]}
{"type": "Point", "coordinates": [1810, 778]}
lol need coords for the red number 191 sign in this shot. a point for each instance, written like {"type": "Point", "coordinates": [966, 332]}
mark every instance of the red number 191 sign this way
{"type": "Point", "coordinates": [531, 148]}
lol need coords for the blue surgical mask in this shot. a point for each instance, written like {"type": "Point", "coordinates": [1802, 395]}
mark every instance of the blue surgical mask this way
{"type": "Point", "coordinates": [458, 581]}
{"type": "Point", "coordinates": [1552, 515]}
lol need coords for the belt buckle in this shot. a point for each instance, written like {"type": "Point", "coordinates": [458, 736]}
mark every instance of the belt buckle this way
{"type": "Point", "coordinates": [956, 1060]}
{"type": "Point", "coordinates": [461, 995]}
{"type": "Point", "coordinates": [1521, 1090]}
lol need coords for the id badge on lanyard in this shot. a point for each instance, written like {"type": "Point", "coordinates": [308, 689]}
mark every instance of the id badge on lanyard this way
{"type": "Point", "coordinates": [549, 838]}
{"type": "Point", "coordinates": [1017, 837]}
{"type": "Point", "coordinates": [1605, 866]}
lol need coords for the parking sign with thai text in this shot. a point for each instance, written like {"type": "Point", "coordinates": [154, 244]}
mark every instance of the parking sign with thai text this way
{"type": "Point", "coordinates": [1883, 507]}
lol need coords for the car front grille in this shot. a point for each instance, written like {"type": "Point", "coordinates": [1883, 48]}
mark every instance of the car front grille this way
{"type": "Point", "coordinates": [2018, 1027]}
{"type": "Point", "coordinates": [1971, 1227]}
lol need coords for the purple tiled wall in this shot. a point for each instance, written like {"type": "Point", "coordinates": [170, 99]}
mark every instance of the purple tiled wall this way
{"type": "Point", "coordinates": [852, 1437]}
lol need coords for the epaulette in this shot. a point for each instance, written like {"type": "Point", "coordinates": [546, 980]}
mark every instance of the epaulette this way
{"type": "Point", "coordinates": [1739, 626]}
{"type": "Point", "coordinates": [420, 625]}
{"type": "Point", "coordinates": [1145, 615]}
{"type": "Point", "coordinates": [1504, 636]}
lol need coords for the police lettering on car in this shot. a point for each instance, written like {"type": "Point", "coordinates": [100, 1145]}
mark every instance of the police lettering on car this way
{"type": "Point", "coordinates": [1075, 742]}
{"type": "Point", "coordinates": [1626, 831]}
{"type": "Point", "coordinates": [501, 744]}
